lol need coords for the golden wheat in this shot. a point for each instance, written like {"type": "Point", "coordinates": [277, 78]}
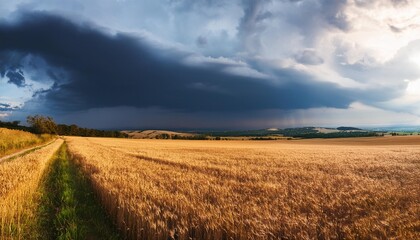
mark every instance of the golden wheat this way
{"type": "Point", "coordinates": [156, 189]}
{"type": "Point", "coordinates": [13, 140]}
{"type": "Point", "coordinates": [19, 179]}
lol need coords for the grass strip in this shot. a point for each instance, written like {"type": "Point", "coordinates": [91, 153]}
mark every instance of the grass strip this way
{"type": "Point", "coordinates": [68, 208]}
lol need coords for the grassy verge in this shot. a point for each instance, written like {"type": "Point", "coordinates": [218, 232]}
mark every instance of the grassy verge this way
{"type": "Point", "coordinates": [68, 208]}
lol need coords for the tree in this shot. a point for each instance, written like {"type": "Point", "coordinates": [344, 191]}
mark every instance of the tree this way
{"type": "Point", "coordinates": [42, 124]}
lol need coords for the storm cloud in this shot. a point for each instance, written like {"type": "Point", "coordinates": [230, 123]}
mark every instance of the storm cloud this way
{"type": "Point", "coordinates": [108, 70]}
{"type": "Point", "coordinates": [210, 63]}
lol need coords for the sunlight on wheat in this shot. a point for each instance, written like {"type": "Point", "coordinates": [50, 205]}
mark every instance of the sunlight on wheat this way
{"type": "Point", "coordinates": [155, 189]}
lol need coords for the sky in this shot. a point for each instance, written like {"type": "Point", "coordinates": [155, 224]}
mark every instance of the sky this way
{"type": "Point", "coordinates": [211, 64]}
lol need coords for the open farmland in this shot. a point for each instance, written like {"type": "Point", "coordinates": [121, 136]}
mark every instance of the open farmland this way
{"type": "Point", "coordinates": [352, 188]}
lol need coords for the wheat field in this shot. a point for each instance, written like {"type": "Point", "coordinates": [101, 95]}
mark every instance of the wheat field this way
{"type": "Point", "coordinates": [19, 180]}
{"type": "Point", "coordinates": [14, 140]}
{"type": "Point", "coordinates": [309, 189]}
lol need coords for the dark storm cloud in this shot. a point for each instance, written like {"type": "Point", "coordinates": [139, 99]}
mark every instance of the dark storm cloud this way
{"type": "Point", "coordinates": [10, 68]}
{"type": "Point", "coordinates": [16, 77]}
{"type": "Point", "coordinates": [119, 70]}
{"type": "Point", "coordinates": [5, 107]}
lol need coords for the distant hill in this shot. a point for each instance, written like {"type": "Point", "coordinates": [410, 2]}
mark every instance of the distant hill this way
{"type": "Point", "coordinates": [156, 134]}
{"type": "Point", "coordinates": [302, 132]}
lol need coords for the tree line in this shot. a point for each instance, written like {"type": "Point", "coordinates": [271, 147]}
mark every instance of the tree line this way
{"type": "Point", "coordinates": [43, 124]}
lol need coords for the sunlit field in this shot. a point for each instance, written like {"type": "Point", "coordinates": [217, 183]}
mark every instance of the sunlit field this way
{"type": "Point", "coordinates": [14, 140]}
{"type": "Point", "coordinates": [340, 189]}
{"type": "Point", "coordinates": [19, 179]}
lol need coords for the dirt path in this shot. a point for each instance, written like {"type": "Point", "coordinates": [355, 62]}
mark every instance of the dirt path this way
{"type": "Point", "coordinates": [25, 151]}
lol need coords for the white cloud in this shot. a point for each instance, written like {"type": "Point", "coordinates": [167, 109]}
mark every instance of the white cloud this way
{"type": "Point", "coordinates": [201, 60]}
{"type": "Point", "coordinates": [409, 101]}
